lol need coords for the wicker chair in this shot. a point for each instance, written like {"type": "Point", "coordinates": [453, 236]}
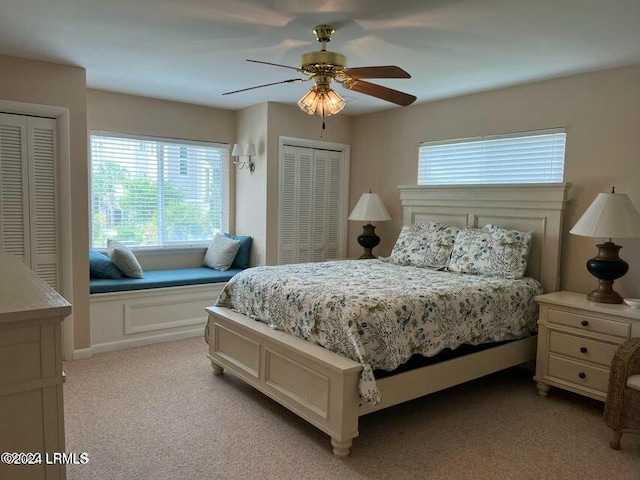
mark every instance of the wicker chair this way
{"type": "Point", "coordinates": [622, 409]}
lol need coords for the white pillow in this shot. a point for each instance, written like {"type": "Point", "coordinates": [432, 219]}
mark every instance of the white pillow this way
{"type": "Point", "coordinates": [221, 252]}
{"type": "Point", "coordinates": [124, 259]}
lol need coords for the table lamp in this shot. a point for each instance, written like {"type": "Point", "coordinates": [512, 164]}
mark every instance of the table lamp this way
{"type": "Point", "coordinates": [611, 215]}
{"type": "Point", "coordinates": [369, 209]}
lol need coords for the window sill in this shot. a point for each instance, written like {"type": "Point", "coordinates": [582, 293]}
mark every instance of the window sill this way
{"type": "Point", "coordinates": [153, 251]}
{"type": "Point", "coordinates": [183, 249]}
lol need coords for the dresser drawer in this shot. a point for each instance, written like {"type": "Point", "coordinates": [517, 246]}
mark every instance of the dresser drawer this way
{"type": "Point", "coordinates": [589, 323]}
{"type": "Point", "coordinates": [20, 352]}
{"type": "Point", "coordinates": [579, 373]}
{"type": "Point", "coordinates": [581, 348]}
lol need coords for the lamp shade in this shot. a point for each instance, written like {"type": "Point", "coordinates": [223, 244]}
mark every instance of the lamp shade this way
{"type": "Point", "coordinates": [323, 102]}
{"type": "Point", "coordinates": [611, 215]}
{"type": "Point", "coordinates": [370, 209]}
{"type": "Point", "coordinates": [237, 150]}
{"type": "Point", "coordinates": [250, 150]}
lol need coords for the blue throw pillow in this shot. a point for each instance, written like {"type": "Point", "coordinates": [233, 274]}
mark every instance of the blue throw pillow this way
{"type": "Point", "coordinates": [101, 266]}
{"type": "Point", "coordinates": [243, 257]}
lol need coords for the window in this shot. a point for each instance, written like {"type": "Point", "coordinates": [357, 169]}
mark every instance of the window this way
{"type": "Point", "coordinates": [151, 192]}
{"type": "Point", "coordinates": [530, 157]}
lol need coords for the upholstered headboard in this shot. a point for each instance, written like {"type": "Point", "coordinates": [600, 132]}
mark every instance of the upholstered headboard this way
{"type": "Point", "coordinates": [533, 207]}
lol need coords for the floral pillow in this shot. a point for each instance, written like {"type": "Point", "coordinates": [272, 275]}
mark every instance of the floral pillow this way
{"type": "Point", "coordinates": [491, 251]}
{"type": "Point", "coordinates": [424, 245]}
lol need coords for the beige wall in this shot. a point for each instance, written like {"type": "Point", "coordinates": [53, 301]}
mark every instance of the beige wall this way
{"type": "Point", "coordinates": [601, 114]}
{"type": "Point", "coordinates": [251, 188]}
{"type": "Point", "coordinates": [116, 112]}
{"type": "Point", "coordinates": [43, 83]}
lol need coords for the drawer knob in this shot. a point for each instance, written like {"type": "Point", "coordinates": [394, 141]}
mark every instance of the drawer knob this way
{"type": "Point", "coordinates": [583, 349]}
{"type": "Point", "coordinates": [585, 323]}
{"type": "Point", "coordinates": [582, 375]}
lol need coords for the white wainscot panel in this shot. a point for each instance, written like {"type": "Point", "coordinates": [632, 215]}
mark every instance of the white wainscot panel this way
{"type": "Point", "coordinates": [128, 319]}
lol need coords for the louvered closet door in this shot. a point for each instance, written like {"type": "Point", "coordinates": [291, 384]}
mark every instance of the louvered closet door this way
{"type": "Point", "coordinates": [287, 207]}
{"type": "Point", "coordinates": [334, 205]}
{"type": "Point", "coordinates": [296, 205]}
{"type": "Point", "coordinates": [43, 213]}
{"type": "Point", "coordinates": [320, 195]}
{"type": "Point", "coordinates": [28, 193]}
{"type": "Point", "coordinates": [310, 204]}
{"type": "Point", "coordinates": [327, 200]}
{"type": "Point", "coordinates": [14, 195]}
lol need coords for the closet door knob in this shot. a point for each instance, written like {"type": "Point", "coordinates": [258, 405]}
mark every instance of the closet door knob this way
{"type": "Point", "coordinates": [582, 374]}
{"type": "Point", "coordinates": [583, 349]}
{"type": "Point", "coordinates": [585, 323]}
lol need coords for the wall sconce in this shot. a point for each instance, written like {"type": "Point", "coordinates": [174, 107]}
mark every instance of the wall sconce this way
{"type": "Point", "coordinates": [244, 150]}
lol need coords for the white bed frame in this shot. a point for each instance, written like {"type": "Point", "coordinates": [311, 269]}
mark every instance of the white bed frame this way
{"type": "Point", "coordinates": [322, 387]}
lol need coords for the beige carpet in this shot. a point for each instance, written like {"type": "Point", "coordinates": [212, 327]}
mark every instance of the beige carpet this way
{"type": "Point", "coordinates": [158, 412]}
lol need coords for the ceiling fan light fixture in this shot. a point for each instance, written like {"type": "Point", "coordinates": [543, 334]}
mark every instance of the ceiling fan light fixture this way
{"type": "Point", "coordinates": [322, 102]}
{"type": "Point", "coordinates": [325, 67]}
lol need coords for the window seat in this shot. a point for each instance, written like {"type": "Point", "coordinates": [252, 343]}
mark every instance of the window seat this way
{"type": "Point", "coordinates": [163, 278]}
{"type": "Point", "coordinates": [164, 305]}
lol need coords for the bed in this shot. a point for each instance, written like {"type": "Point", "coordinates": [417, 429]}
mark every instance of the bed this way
{"type": "Point", "coordinates": [331, 390]}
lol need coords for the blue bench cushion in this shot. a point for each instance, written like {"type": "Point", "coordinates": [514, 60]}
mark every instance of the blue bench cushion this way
{"type": "Point", "coordinates": [163, 278]}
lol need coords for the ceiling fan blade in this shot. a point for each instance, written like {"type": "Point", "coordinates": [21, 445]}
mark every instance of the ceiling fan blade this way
{"type": "Point", "coordinates": [378, 91]}
{"type": "Point", "coordinates": [387, 71]}
{"type": "Point", "coordinates": [275, 64]}
{"type": "Point", "coordinates": [291, 80]}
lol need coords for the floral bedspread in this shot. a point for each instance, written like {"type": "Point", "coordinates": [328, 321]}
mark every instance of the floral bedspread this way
{"type": "Point", "coordinates": [380, 314]}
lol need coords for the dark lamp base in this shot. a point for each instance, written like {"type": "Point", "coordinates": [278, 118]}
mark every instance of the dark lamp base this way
{"type": "Point", "coordinates": [368, 240]}
{"type": "Point", "coordinates": [604, 295]}
{"type": "Point", "coordinates": [606, 267]}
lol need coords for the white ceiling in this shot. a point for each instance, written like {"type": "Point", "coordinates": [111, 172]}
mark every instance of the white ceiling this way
{"type": "Point", "coordinates": [194, 50]}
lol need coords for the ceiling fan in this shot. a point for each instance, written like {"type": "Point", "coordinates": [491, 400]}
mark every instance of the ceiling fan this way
{"type": "Point", "coordinates": [324, 67]}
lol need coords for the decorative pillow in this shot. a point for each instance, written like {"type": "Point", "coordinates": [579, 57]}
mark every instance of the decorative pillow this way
{"type": "Point", "coordinates": [101, 266]}
{"type": "Point", "coordinates": [221, 252]}
{"type": "Point", "coordinates": [424, 245]}
{"type": "Point", "coordinates": [491, 251]}
{"type": "Point", "coordinates": [243, 257]}
{"type": "Point", "coordinates": [124, 259]}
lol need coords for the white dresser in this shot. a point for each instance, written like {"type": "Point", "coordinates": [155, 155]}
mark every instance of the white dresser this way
{"type": "Point", "coordinates": [31, 378]}
{"type": "Point", "coordinates": [577, 340]}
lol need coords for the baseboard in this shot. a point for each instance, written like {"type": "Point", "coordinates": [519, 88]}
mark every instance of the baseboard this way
{"type": "Point", "coordinates": [82, 353]}
{"type": "Point", "coordinates": [147, 340]}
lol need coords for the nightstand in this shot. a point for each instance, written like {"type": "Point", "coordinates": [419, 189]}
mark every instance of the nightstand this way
{"type": "Point", "coordinates": [577, 340]}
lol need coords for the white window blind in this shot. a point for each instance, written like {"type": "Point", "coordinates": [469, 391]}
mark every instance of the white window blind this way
{"type": "Point", "coordinates": [530, 157]}
{"type": "Point", "coordinates": [150, 192]}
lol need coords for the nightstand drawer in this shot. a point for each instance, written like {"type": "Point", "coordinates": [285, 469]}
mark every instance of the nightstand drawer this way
{"type": "Point", "coordinates": [581, 348]}
{"type": "Point", "coordinates": [579, 373]}
{"type": "Point", "coordinates": [589, 324]}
